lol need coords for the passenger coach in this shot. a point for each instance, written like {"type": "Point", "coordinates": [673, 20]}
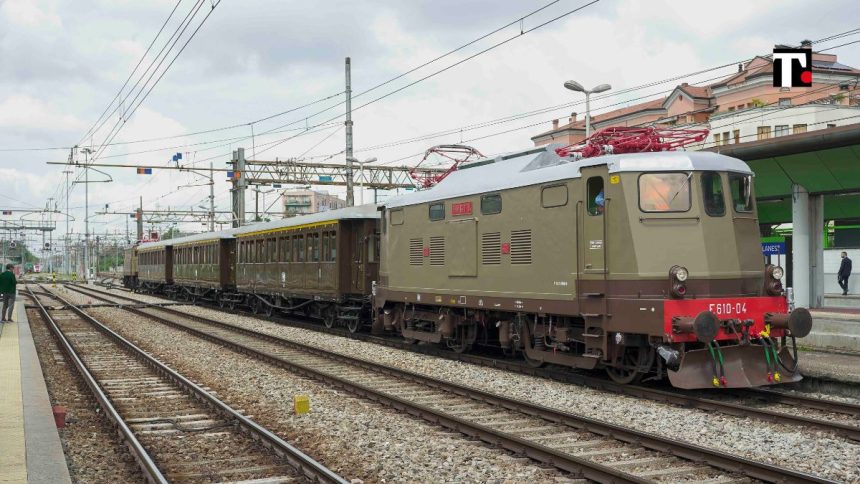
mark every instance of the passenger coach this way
{"type": "Point", "coordinates": [322, 265]}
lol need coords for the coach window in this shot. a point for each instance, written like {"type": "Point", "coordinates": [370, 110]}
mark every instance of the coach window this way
{"type": "Point", "coordinates": [437, 211]}
{"type": "Point", "coordinates": [664, 192]}
{"type": "Point", "coordinates": [741, 187]}
{"type": "Point", "coordinates": [300, 248]}
{"type": "Point", "coordinates": [712, 194]}
{"type": "Point", "coordinates": [325, 243]}
{"type": "Point", "coordinates": [333, 247]}
{"type": "Point", "coordinates": [314, 248]}
{"type": "Point", "coordinates": [491, 204]}
{"type": "Point", "coordinates": [595, 195]}
{"type": "Point", "coordinates": [273, 249]}
{"type": "Point", "coordinates": [258, 255]}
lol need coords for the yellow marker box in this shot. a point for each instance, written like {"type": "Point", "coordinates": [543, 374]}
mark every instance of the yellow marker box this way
{"type": "Point", "coordinates": [301, 404]}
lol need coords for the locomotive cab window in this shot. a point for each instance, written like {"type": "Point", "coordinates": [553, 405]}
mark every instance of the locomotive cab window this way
{"type": "Point", "coordinates": [396, 216]}
{"type": "Point", "coordinates": [437, 211]}
{"type": "Point", "coordinates": [712, 194]}
{"type": "Point", "coordinates": [596, 200]}
{"type": "Point", "coordinates": [491, 204]}
{"type": "Point", "coordinates": [741, 187]}
{"type": "Point", "coordinates": [664, 192]}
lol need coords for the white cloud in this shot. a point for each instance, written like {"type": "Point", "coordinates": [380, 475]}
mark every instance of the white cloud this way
{"type": "Point", "coordinates": [27, 13]}
{"type": "Point", "coordinates": [23, 113]}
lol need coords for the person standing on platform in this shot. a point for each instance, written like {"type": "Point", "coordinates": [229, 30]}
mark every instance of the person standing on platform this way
{"type": "Point", "coordinates": [7, 292]}
{"type": "Point", "coordinates": [844, 273]}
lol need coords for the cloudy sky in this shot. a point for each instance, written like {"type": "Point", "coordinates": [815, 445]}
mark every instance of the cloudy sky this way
{"type": "Point", "coordinates": [63, 61]}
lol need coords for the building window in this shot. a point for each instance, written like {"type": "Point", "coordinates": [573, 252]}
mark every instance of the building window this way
{"type": "Point", "coordinates": [831, 125]}
{"type": "Point", "coordinates": [437, 211]}
{"type": "Point", "coordinates": [712, 194]}
{"type": "Point", "coordinates": [741, 187]}
{"type": "Point", "coordinates": [491, 204]}
{"type": "Point", "coordinates": [780, 130]}
{"type": "Point", "coordinates": [596, 200]}
{"type": "Point", "coordinates": [664, 192]}
{"type": "Point", "coordinates": [716, 139]}
{"type": "Point", "coordinates": [737, 135]}
{"type": "Point", "coordinates": [785, 101]}
{"type": "Point", "coordinates": [763, 132]}
{"type": "Point", "coordinates": [740, 106]}
{"type": "Point", "coordinates": [731, 108]}
{"type": "Point", "coordinates": [725, 137]}
{"type": "Point", "coordinates": [799, 128]}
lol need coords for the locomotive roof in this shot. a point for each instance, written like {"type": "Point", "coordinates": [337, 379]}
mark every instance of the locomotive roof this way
{"type": "Point", "coordinates": [360, 212]}
{"type": "Point", "coordinates": [187, 239]}
{"type": "Point", "coordinates": [542, 165]}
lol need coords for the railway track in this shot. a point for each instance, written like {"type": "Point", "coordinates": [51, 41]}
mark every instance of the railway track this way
{"type": "Point", "coordinates": [740, 403]}
{"type": "Point", "coordinates": [585, 447]}
{"type": "Point", "coordinates": [174, 429]}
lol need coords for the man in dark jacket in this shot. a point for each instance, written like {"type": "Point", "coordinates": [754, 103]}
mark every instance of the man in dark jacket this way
{"type": "Point", "coordinates": [7, 292]}
{"type": "Point", "coordinates": [844, 273]}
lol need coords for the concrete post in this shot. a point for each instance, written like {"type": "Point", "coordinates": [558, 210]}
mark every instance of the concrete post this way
{"type": "Point", "coordinates": [801, 235]}
{"type": "Point", "coordinates": [816, 247]}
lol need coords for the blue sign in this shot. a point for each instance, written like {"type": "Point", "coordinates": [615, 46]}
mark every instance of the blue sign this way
{"type": "Point", "coordinates": [773, 248]}
{"type": "Point", "coordinates": [325, 178]}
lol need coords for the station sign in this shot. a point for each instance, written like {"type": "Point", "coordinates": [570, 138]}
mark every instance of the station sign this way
{"type": "Point", "coordinates": [773, 245]}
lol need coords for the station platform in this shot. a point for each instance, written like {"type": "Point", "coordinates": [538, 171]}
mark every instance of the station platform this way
{"type": "Point", "coordinates": [30, 448]}
{"type": "Point", "coordinates": [835, 328]}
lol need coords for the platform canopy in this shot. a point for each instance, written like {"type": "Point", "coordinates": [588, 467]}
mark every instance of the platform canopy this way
{"type": "Point", "coordinates": [825, 162]}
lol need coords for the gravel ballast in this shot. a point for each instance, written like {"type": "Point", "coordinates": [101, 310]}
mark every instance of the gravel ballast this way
{"type": "Point", "coordinates": [94, 451]}
{"type": "Point", "coordinates": [359, 439]}
{"type": "Point", "coordinates": [800, 448]}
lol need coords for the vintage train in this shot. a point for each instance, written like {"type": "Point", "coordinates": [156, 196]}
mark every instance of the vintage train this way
{"type": "Point", "coordinates": [639, 264]}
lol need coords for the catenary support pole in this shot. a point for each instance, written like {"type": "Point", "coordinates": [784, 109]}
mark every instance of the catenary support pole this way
{"type": "Point", "coordinates": [350, 200]}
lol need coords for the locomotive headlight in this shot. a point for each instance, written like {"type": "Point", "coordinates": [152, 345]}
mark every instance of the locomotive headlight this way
{"type": "Point", "coordinates": [777, 272]}
{"type": "Point", "coordinates": [681, 274]}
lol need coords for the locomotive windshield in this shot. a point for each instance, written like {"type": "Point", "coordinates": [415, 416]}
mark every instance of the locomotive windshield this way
{"type": "Point", "coordinates": [664, 192]}
{"type": "Point", "coordinates": [712, 194]}
{"type": "Point", "coordinates": [741, 187]}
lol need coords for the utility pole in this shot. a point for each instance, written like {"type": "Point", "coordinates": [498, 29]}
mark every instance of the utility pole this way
{"type": "Point", "coordinates": [86, 151]}
{"type": "Point", "coordinates": [66, 262]}
{"type": "Point", "coordinates": [240, 183]}
{"type": "Point", "coordinates": [350, 200]}
{"type": "Point", "coordinates": [211, 200]}
{"type": "Point", "coordinates": [140, 221]}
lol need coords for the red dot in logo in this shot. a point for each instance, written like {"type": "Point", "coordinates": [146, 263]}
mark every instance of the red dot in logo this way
{"type": "Point", "coordinates": [806, 77]}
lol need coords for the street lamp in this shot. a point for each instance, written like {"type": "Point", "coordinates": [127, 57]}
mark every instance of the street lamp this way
{"type": "Point", "coordinates": [575, 86]}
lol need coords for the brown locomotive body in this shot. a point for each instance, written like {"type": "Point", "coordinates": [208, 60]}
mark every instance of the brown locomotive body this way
{"type": "Point", "coordinates": [605, 262]}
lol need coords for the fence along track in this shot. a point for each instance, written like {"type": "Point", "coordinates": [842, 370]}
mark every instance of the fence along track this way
{"type": "Point", "coordinates": [583, 446]}
{"type": "Point", "coordinates": [193, 435]}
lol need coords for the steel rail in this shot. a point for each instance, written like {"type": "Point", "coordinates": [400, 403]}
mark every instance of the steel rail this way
{"type": "Point", "coordinates": [147, 466]}
{"type": "Point", "coordinates": [309, 467]}
{"type": "Point", "coordinates": [672, 397]}
{"type": "Point", "coordinates": [693, 452]}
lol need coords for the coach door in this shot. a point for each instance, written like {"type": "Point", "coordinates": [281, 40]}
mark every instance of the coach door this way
{"type": "Point", "coordinates": [593, 242]}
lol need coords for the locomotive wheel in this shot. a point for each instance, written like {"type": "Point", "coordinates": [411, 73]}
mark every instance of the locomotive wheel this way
{"type": "Point", "coordinates": [634, 356]}
{"type": "Point", "coordinates": [256, 305]}
{"type": "Point", "coordinates": [353, 325]}
{"type": "Point", "coordinates": [269, 311]}
{"type": "Point", "coordinates": [463, 338]}
{"type": "Point", "coordinates": [329, 317]}
{"type": "Point", "coordinates": [532, 362]}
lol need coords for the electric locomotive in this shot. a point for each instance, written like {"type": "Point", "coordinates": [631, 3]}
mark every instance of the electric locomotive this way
{"type": "Point", "coordinates": [640, 264]}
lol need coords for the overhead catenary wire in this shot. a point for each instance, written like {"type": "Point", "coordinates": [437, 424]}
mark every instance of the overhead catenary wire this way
{"type": "Point", "coordinates": [163, 72]}
{"type": "Point", "coordinates": [139, 62]}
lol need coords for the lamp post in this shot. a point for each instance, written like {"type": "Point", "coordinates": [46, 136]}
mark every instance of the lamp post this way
{"type": "Point", "coordinates": [361, 176]}
{"type": "Point", "coordinates": [575, 86]}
